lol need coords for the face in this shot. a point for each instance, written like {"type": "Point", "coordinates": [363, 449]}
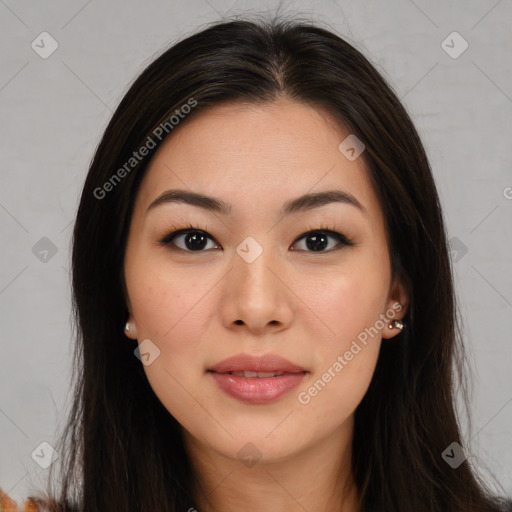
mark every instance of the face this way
{"type": "Point", "coordinates": [310, 283]}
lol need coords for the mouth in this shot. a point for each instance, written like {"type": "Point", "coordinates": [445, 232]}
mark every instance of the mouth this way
{"type": "Point", "coordinates": [257, 380]}
{"type": "Point", "coordinates": [246, 365]}
{"type": "Point", "coordinates": [251, 375]}
{"type": "Point", "coordinates": [257, 390]}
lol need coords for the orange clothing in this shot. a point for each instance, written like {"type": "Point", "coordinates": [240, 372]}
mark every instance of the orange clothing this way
{"type": "Point", "coordinates": [7, 504]}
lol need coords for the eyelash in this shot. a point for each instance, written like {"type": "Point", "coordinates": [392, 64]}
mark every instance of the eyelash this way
{"type": "Point", "coordinates": [341, 239]}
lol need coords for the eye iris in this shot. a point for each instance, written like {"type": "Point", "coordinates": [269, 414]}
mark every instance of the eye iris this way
{"type": "Point", "coordinates": [195, 241]}
{"type": "Point", "coordinates": [318, 241]}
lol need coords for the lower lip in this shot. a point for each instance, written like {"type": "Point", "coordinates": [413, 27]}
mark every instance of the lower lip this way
{"type": "Point", "coordinates": [257, 390]}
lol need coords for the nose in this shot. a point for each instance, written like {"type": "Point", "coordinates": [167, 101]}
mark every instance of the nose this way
{"type": "Point", "coordinates": [255, 296]}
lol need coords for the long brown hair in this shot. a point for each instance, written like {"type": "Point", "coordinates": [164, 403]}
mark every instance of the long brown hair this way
{"type": "Point", "coordinates": [121, 449]}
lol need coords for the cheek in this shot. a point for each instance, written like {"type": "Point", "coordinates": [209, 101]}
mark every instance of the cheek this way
{"type": "Point", "coordinates": [346, 299]}
{"type": "Point", "coordinates": [170, 311]}
{"type": "Point", "coordinates": [169, 307]}
{"type": "Point", "coordinates": [333, 394]}
{"type": "Point", "coordinates": [346, 359]}
{"type": "Point", "coordinates": [350, 303]}
{"type": "Point", "coordinates": [173, 309]}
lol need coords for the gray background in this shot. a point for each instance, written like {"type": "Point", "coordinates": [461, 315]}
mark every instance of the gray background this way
{"type": "Point", "coordinates": [53, 112]}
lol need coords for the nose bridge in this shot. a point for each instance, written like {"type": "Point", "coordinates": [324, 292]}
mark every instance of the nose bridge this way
{"type": "Point", "coordinates": [253, 293]}
{"type": "Point", "coordinates": [252, 260]}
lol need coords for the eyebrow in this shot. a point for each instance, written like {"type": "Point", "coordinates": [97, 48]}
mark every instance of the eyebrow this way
{"type": "Point", "coordinates": [299, 204]}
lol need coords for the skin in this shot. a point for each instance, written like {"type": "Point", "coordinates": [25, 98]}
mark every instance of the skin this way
{"type": "Point", "coordinates": [199, 308]}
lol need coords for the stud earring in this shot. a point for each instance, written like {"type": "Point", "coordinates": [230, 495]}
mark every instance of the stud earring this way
{"type": "Point", "coordinates": [396, 324]}
{"type": "Point", "coordinates": [127, 327]}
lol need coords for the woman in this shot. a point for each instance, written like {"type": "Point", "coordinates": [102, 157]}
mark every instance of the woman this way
{"type": "Point", "coordinates": [263, 292]}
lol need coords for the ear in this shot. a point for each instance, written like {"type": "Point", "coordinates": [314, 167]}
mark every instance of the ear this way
{"type": "Point", "coordinates": [132, 333]}
{"type": "Point", "coordinates": [397, 304]}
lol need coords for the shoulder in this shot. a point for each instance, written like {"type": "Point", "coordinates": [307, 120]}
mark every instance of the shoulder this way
{"type": "Point", "coordinates": [7, 504]}
{"type": "Point", "coordinates": [39, 503]}
{"type": "Point", "coordinates": [32, 504]}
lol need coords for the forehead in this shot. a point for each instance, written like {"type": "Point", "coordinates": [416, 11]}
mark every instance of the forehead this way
{"type": "Point", "coordinates": [257, 156]}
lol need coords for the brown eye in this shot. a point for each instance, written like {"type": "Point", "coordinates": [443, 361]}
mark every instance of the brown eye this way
{"type": "Point", "coordinates": [196, 240]}
{"type": "Point", "coordinates": [318, 240]}
{"type": "Point", "coordinates": [191, 240]}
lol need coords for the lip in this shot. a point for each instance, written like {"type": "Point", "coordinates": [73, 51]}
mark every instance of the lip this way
{"type": "Point", "coordinates": [265, 363]}
{"type": "Point", "coordinates": [257, 390]}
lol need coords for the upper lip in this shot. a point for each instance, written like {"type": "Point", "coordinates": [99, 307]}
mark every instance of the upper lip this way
{"type": "Point", "coordinates": [265, 363]}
